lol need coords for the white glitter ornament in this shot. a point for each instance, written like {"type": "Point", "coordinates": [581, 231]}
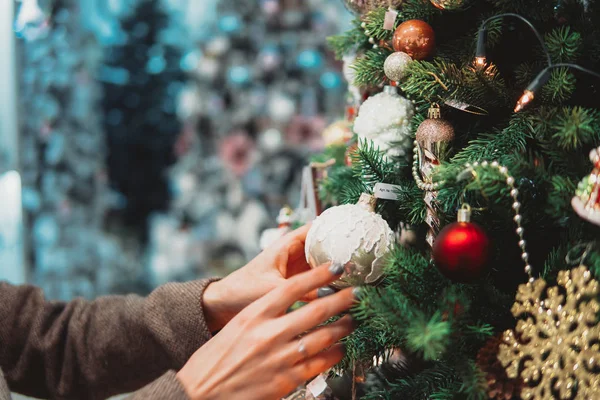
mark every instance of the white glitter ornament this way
{"type": "Point", "coordinates": [385, 120]}
{"type": "Point", "coordinates": [395, 66]}
{"type": "Point", "coordinates": [352, 235]}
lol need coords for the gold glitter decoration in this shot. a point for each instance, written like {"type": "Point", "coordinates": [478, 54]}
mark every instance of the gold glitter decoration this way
{"type": "Point", "coordinates": [555, 347]}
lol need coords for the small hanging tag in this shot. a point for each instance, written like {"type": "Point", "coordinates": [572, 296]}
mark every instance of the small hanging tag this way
{"type": "Point", "coordinates": [385, 191]}
{"type": "Point", "coordinates": [308, 208]}
{"type": "Point", "coordinates": [390, 19]}
{"type": "Point", "coordinates": [317, 386]}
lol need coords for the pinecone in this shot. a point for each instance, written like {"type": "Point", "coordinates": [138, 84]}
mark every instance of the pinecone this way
{"type": "Point", "coordinates": [500, 386]}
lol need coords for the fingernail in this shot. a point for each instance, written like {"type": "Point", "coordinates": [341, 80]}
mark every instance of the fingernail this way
{"type": "Point", "coordinates": [336, 268]}
{"type": "Point", "coordinates": [325, 291]}
{"type": "Point", "coordinates": [357, 291]}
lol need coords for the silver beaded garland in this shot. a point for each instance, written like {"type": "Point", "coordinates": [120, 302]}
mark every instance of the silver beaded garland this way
{"type": "Point", "coordinates": [514, 193]}
{"type": "Point", "coordinates": [516, 206]}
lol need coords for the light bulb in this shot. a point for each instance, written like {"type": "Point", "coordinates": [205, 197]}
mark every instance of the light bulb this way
{"type": "Point", "coordinates": [527, 98]}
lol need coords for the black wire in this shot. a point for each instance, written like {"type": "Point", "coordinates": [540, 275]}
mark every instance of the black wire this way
{"type": "Point", "coordinates": [575, 66]}
{"type": "Point", "coordinates": [530, 25]}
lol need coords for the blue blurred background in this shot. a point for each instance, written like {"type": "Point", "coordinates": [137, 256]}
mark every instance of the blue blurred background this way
{"type": "Point", "coordinates": [150, 141]}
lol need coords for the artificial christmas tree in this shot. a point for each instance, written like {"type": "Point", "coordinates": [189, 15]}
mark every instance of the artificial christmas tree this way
{"type": "Point", "coordinates": [517, 83]}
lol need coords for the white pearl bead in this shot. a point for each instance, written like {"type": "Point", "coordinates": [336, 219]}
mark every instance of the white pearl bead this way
{"type": "Point", "coordinates": [528, 268]}
{"type": "Point", "coordinates": [510, 180]}
{"type": "Point", "coordinates": [484, 164]}
{"type": "Point", "coordinates": [476, 164]}
{"type": "Point", "coordinates": [495, 164]}
{"type": "Point", "coordinates": [525, 257]}
{"type": "Point", "coordinates": [371, 40]}
{"type": "Point", "coordinates": [514, 192]}
{"type": "Point", "coordinates": [503, 170]}
{"type": "Point", "coordinates": [363, 25]}
{"type": "Point", "coordinates": [520, 231]}
{"type": "Point", "coordinates": [518, 218]}
{"type": "Point", "coordinates": [375, 46]}
{"type": "Point", "coordinates": [516, 206]}
{"type": "Point", "coordinates": [522, 244]}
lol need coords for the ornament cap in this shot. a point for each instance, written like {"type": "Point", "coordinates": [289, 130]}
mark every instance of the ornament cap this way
{"type": "Point", "coordinates": [434, 111]}
{"type": "Point", "coordinates": [464, 214]}
{"type": "Point", "coordinates": [367, 201]}
{"type": "Point", "coordinates": [393, 90]}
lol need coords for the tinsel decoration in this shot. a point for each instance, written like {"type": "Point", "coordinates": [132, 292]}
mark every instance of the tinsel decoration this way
{"type": "Point", "coordinates": [555, 346]}
{"type": "Point", "coordinates": [500, 386]}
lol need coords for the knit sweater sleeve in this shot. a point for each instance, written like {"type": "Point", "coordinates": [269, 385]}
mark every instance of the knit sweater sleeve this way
{"type": "Point", "coordinates": [167, 387]}
{"type": "Point", "coordinates": [93, 350]}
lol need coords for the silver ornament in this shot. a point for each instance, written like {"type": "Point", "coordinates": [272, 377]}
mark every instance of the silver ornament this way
{"type": "Point", "coordinates": [395, 66]}
{"type": "Point", "coordinates": [352, 235]}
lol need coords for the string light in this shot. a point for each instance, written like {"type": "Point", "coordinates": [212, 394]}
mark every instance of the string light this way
{"type": "Point", "coordinates": [543, 77]}
{"type": "Point", "coordinates": [540, 80]}
{"type": "Point", "coordinates": [480, 56]}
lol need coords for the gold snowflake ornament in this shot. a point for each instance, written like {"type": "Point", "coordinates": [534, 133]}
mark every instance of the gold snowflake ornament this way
{"type": "Point", "coordinates": [555, 347]}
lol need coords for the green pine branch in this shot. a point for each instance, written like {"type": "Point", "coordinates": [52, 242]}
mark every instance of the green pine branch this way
{"type": "Point", "coordinates": [369, 67]}
{"type": "Point", "coordinates": [564, 45]}
{"type": "Point", "coordinates": [349, 41]}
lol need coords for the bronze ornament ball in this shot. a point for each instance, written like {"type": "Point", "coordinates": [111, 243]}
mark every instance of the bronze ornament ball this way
{"type": "Point", "coordinates": [415, 38]}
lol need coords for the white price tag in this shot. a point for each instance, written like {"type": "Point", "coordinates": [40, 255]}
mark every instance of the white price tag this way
{"type": "Point", "coordinates": [317, 386]}
{"type": "Point", "coordinates": [385, 191]}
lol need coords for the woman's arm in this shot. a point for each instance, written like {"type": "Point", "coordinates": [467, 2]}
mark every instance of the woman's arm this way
{"type": "Point", "coordinates": [92, 350]}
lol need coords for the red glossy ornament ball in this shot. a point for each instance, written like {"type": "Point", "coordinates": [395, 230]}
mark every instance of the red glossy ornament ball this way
{"type": "Point", "coordinates": [415, 38]}
{"type": "Point", "coordinates": [461, 251]}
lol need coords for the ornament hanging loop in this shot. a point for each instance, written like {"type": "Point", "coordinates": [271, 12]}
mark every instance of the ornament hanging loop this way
{"type": "Point", "coordinates": [464, 214]}
{"type": "Point", "coordinates": [434, 111]}
{"type": "Point", "coordinates": [578, 254]}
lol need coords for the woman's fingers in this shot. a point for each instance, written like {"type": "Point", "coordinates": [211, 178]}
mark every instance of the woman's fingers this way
{"type": "Point", "coordinates": [318, 340]}
{"type": "Point", "coordinates": [320, 363]}
{"type": "Point", "coordinates": [318, 311]}
{"type": "Point", "coordinates": [278, 300]}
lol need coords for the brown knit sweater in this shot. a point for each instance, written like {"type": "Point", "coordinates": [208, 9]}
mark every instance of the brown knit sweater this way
{"type": "Point", "coordinates": [93, 350]}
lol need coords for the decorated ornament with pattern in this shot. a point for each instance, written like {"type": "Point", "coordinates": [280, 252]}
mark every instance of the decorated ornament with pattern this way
{"type": "Point", "coordinates": [361, 7]}
{"type": "Point", "coordinates": [395, 66]}
{"type": "Point", "coordinates": [385, 120]}
{"type": "Point", "coordinates": [449, 5]}
{"type": "Point", "coordinates": [433, 138]}
{"type": "Point", "coordinates": [555, 345]}
{"type": "Point", "coordinates": [352, 235]}
{"type": "Point", "coordinates": [586, 203]}
{"type": "Point", "coordinates": [415, 38]}
{"type": "Point", "coordinates": [461, 250]}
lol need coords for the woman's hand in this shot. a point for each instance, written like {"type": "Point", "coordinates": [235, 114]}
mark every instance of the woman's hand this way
{"type": "Point", "coordinates": [224, 299]}
{"type": "Point", "coordinates": [259, 355]}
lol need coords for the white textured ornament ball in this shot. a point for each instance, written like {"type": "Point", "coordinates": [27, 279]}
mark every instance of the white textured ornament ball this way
{"type": "Point", "coordinates": [395, 66]}
{"type": "Point", "coordinates": [354, 236]}
{"type": "Point", "coordinates": [385, 120]}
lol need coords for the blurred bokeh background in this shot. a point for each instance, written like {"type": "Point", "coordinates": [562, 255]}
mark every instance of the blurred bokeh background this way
{"type": "Point", "coordinates": [146, 141]}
